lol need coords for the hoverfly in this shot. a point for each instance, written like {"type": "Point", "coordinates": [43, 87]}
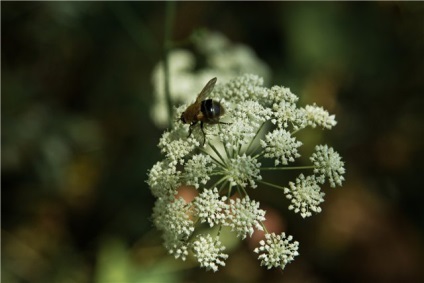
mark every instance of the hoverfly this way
{"type": "Point", "coordinates": [204, 111]}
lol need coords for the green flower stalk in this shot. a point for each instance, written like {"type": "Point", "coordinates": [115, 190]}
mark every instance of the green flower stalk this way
{"type": "Point", "coordinates": [261, 123]}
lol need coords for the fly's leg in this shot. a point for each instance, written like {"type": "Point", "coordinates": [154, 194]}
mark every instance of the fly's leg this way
{"type": "Point", "coordinates": [190, 129]}
{"type": "Point", "coordinates": [203, 132]}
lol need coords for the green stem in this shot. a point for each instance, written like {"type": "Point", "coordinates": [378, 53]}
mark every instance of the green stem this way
{"type": "Point", "coordinates": [257, 133]}
{"type": "Point", "coordinates": [229, 190]}
{"type": "Point", "coordinates": [217, 153]}
{"type": "Point", "coordinates": [259, 154]}
{"type": "Point", "coordinates": [288, 168]}
{"type": "Point", "coordinates": [244, 191]}
{"type": "Point", "coordinates": [226, 150]}
{"type": "Point", "coordinates": [213, 158]}
{"type": "Point", "coordinates": [169, 20]}
{"type": "Point", "coordinates": [271, 185]}
{"type": "Point", "coordinates": [218, 182]}
{"type": "Point", "coordinates": [295, 131]}
{"type": "Point", "coordinates": [219, 232]}
{"type": "Point", "coordinates": [238, 190]}
{"type": "Point", "coordinates": [217, 173]}
{"type": "Point", "coordinates": [223, 185]}
{"type": "Point", "coordinates": [263, 226]}
{"type": "Point", "coordinates": [238, 150]}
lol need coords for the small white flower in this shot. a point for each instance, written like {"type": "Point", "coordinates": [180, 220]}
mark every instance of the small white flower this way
{"type": "Point", "coordinates": [240, 132]}
{"type": "Point", "coordinates": [283, 103]}
{"type": "Point", "coordinates": [208, 252]}
{"type": "Point", "coordinates": [305, 195]}
{"type": "Point", "coordinates": [211, 207]}
{"type": "Point", "coordinates": [173, 216]}
{"type": "Point", "coordinates": [244, 215]}
{"type": "Point", "coordinates": [246, 118]}
{"type": "Point", "coordinates": [243, 171]}
{"type": "Point", "coordinates": [277, 250]}
{"type": "Point", "coordinates": [175, 145]}
{"type": "Point", "coordinates": [286, 113]}
{"type": "Point", "coordinates": [279, 93]}
{"type": "Point", "coordinates": [253, 111]}
{"type": "Point", "coordinates": [328, 164]}
{"type": "Point", "coordinates": [198, 169]}
{"type": "Point", "coordinates": [163, 179]}
{"type": "Point", "coordinates": [242, 88]}
{"type": "Point", "coordinates": [317, 116]}
{"type": "Point", "coordinates": [281, 145]}
{"type": "Point", "coordinates": [175, 245]}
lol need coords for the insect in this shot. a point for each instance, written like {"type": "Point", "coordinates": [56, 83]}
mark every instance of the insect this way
{"type": "Point", "coordinates": [204, 111]}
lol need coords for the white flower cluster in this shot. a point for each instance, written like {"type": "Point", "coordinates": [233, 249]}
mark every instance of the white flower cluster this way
{"type": "Point", "coordinates": [260, 123]}
{"type": "Point", "coordinates": [305, 195]}
{"type": "Point", "coordinates": [198, 169]}
{"type": "Point", "coordinates": [210, 207]}
{"type": "Point", "coordinates": [277, 250]}
{"type": "Point", "coordinates": [208, 252]}
{"type": "Point", "coordinates": [243, 171]}
{"type": "Point", "coordinates": [245, 215]}
{"type": "Point", "coordinates": [173, 216]}
{"type": "Point", "coordinates": [317, 116]}
{"type": "Point", "coordinates": [328, 163]}
{"type": "Point", "coordinates": [176, 148]}
{"type": "Point", "coordinates": [281, 145]}
{"type": "Point", "coordinates": [163, 179]}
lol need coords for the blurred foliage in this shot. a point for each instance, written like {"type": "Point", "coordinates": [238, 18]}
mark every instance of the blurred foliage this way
{"type": "Point", "coordinates": [77, 139]}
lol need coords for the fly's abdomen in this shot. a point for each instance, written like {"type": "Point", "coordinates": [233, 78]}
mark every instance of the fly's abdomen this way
{"type": "Point", "coordinates": [211, 110]}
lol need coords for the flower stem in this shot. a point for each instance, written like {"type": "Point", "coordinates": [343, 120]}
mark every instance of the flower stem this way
{"type": "Point", "coordinates": [169, 19]}
{"type": "Point", "coordinates": [213, 158]}
{"type": "Point", "coordinates": [226, 150]}
{"type": "Point", "coordinates": [218, 182]}
{"type": "Point", "coordinates": [287, 168]}
{"type": "Point", "coordinates": [295, 131]}
{"type": "Point", "coordinates": [223, 184]}
{"type": "Point", "coordinates": [259, 154]}
{"type": "Point", "coordinates": [217, 153]}
{"type": "Point", "coordinates": [257, 132]}
{"type": "Point", "coordinates": [264, 227]}
{"type": "Point", "coordinates": [271, 185]}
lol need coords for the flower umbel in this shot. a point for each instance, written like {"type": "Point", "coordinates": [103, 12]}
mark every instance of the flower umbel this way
{"type": "Point", "coordinates": [198, 169]}
{"type": "Point", "coordinates": [243, 171]}
{"type": "Point", "coordinates": [281, 145]}
{"type": "Point", "coordinates": [261, 127]}
{"type": "Point", "coordinates": [328, 163]}
{"type": "Point", "coordinates": [277, 250]}
{"type": "Point", "coordinates": [305, 195]}
{"type": "Point", "coordinates": [208, 252]}
{"type": "Point", "coordinates": [245, 214]}
{"type": "Point", "coordinates": [210, 207]}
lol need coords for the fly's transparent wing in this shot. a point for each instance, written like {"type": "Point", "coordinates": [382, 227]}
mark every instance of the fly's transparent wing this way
{"type": "Point", "coordinates": [206, 90]}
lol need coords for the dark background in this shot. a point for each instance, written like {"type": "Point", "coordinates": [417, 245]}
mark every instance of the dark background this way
{"type": "Point", "coordinates": [77, 139]}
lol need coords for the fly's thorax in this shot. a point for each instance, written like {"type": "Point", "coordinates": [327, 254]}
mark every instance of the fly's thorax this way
{"type": "Point", "coordinates": [190, 114]}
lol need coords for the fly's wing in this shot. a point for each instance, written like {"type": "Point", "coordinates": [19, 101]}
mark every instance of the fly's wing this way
{"type": "Point", "coordinates": [206, 90]}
